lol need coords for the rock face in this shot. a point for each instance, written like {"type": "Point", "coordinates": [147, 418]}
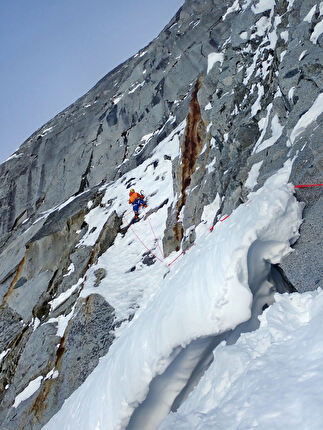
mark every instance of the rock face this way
{"type": "Point", "coordinates": [245, 80]}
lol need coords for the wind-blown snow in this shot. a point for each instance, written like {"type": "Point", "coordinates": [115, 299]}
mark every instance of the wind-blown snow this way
{"type": "Point", "coordinates": [284, 35]}
{"type": "Point", "coordinates": [3, 354]}
{"type": "Point", "coordinates": [270, 379]}
{"type": "Point", "coordinates": [62, 322]}
{"type": "Point", "coordinates": [70, 269]}
{"type": "Point", "coordinates": [302, 55]}
{"type": "Point", "coordinates": [65, 295]}
{"type": "Point", "coordinates": [206, 293]}
{"type": "Point", "coordinates": [262, 125]}
{"type": "Point", "coordinates": [291, 93]}
{"type": "Point", "coordinates": [244, 35]}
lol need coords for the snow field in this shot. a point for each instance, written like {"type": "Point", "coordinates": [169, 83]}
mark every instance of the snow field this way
{"type": "Point", "coordinates": [206, 293]}
{"type": "Point", "coordinates": [124, 289]}
{"type": "Point", "coordinates": [278, 366]}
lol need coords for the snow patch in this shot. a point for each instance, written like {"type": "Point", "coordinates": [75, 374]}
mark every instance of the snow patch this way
{"type": "Point", "coordinates": [95, 219]}
{"type": "Point", "coordinates": [64, 296]}
{"type": "Point", "coordinates": [206, 293]}
{"type": "Point", "coordinates": [318, 30]}
{"type": "Point", "coordinates": [290, 4]}
{"type": "Point", "coordinates": [196, 23]}
{"type": "Point", "coordinates": [262, 25]}
{"type": "Point", "coordinates": [214, 57]}
{"type": "Point", "coordinates": [310, 14]}
{"type": "Point", "coordinates": [35, 323]}
{"type": "Point", "coordinates": [276, 130]}
{"type": "Point", "coordinates": [53, 374]}
{"type": "Point", "coordinates": [248, 383]}
{"type": "Point", "coordinates": [31, 389]}
{"type": "Point", "coordinates": [46, 130]}
{"type": "Point", "coordinates": [208, 215]}
{"type": "Point", "coordinates": [310, 116]}
{"type": "Point", "coordinates": [116, 99]}
{"type": "Point", "coordinates": [252, 179]}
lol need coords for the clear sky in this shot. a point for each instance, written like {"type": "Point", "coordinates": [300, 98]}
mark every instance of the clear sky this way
{"type": "Point", "coordinates": [53, 51]}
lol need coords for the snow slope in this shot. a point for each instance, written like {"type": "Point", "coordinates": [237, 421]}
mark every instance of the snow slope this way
{"type": "Point", "coordinates": [207, 293]}
{"type": "Point", "coordinates": [270, 379]}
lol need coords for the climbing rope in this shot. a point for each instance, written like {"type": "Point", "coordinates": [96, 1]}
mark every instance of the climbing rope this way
{"type": "Point", "coordinates": [151, 228]}
{"type": "Point", "coordinates": [211, 229]}
{"type": "Point", "coordinates": [311, 185]}
{"type": "Point", "coordinates": [148, 249]}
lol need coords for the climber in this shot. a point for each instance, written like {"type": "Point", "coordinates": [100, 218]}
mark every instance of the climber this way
{"type": "Point", "coordinates": [136, 200]}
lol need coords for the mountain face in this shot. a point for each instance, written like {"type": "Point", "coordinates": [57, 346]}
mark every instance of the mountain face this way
{"type": "Point", "coordinates": [227, 96]}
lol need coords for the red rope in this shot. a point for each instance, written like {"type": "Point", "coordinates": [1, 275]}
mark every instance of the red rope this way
{"type": "Point", "coordinates": [311, 185]}
{"type": "Point", "coordinates": [183, 252]}
{"type": "Point", "coordinates": [169, 264]}
{"type": "Point", "coordinates": [144, 244]}
{"type": "Point", "coordinates": [221, 220]}
{"type": "Point", "coordinates": [211, 229]}
{"type": "Point", "coordinates": [151, 228]}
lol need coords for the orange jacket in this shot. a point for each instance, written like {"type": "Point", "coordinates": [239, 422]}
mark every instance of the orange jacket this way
{"type": "Point", "coordinates": [134, 196]}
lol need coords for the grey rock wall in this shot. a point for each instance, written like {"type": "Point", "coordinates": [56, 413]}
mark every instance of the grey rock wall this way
{"type": "Point", "coordinates": [267, 79]}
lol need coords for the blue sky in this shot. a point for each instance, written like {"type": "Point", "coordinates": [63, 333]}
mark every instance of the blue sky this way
{"type": "Point", "coordinates": [53, 51]}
